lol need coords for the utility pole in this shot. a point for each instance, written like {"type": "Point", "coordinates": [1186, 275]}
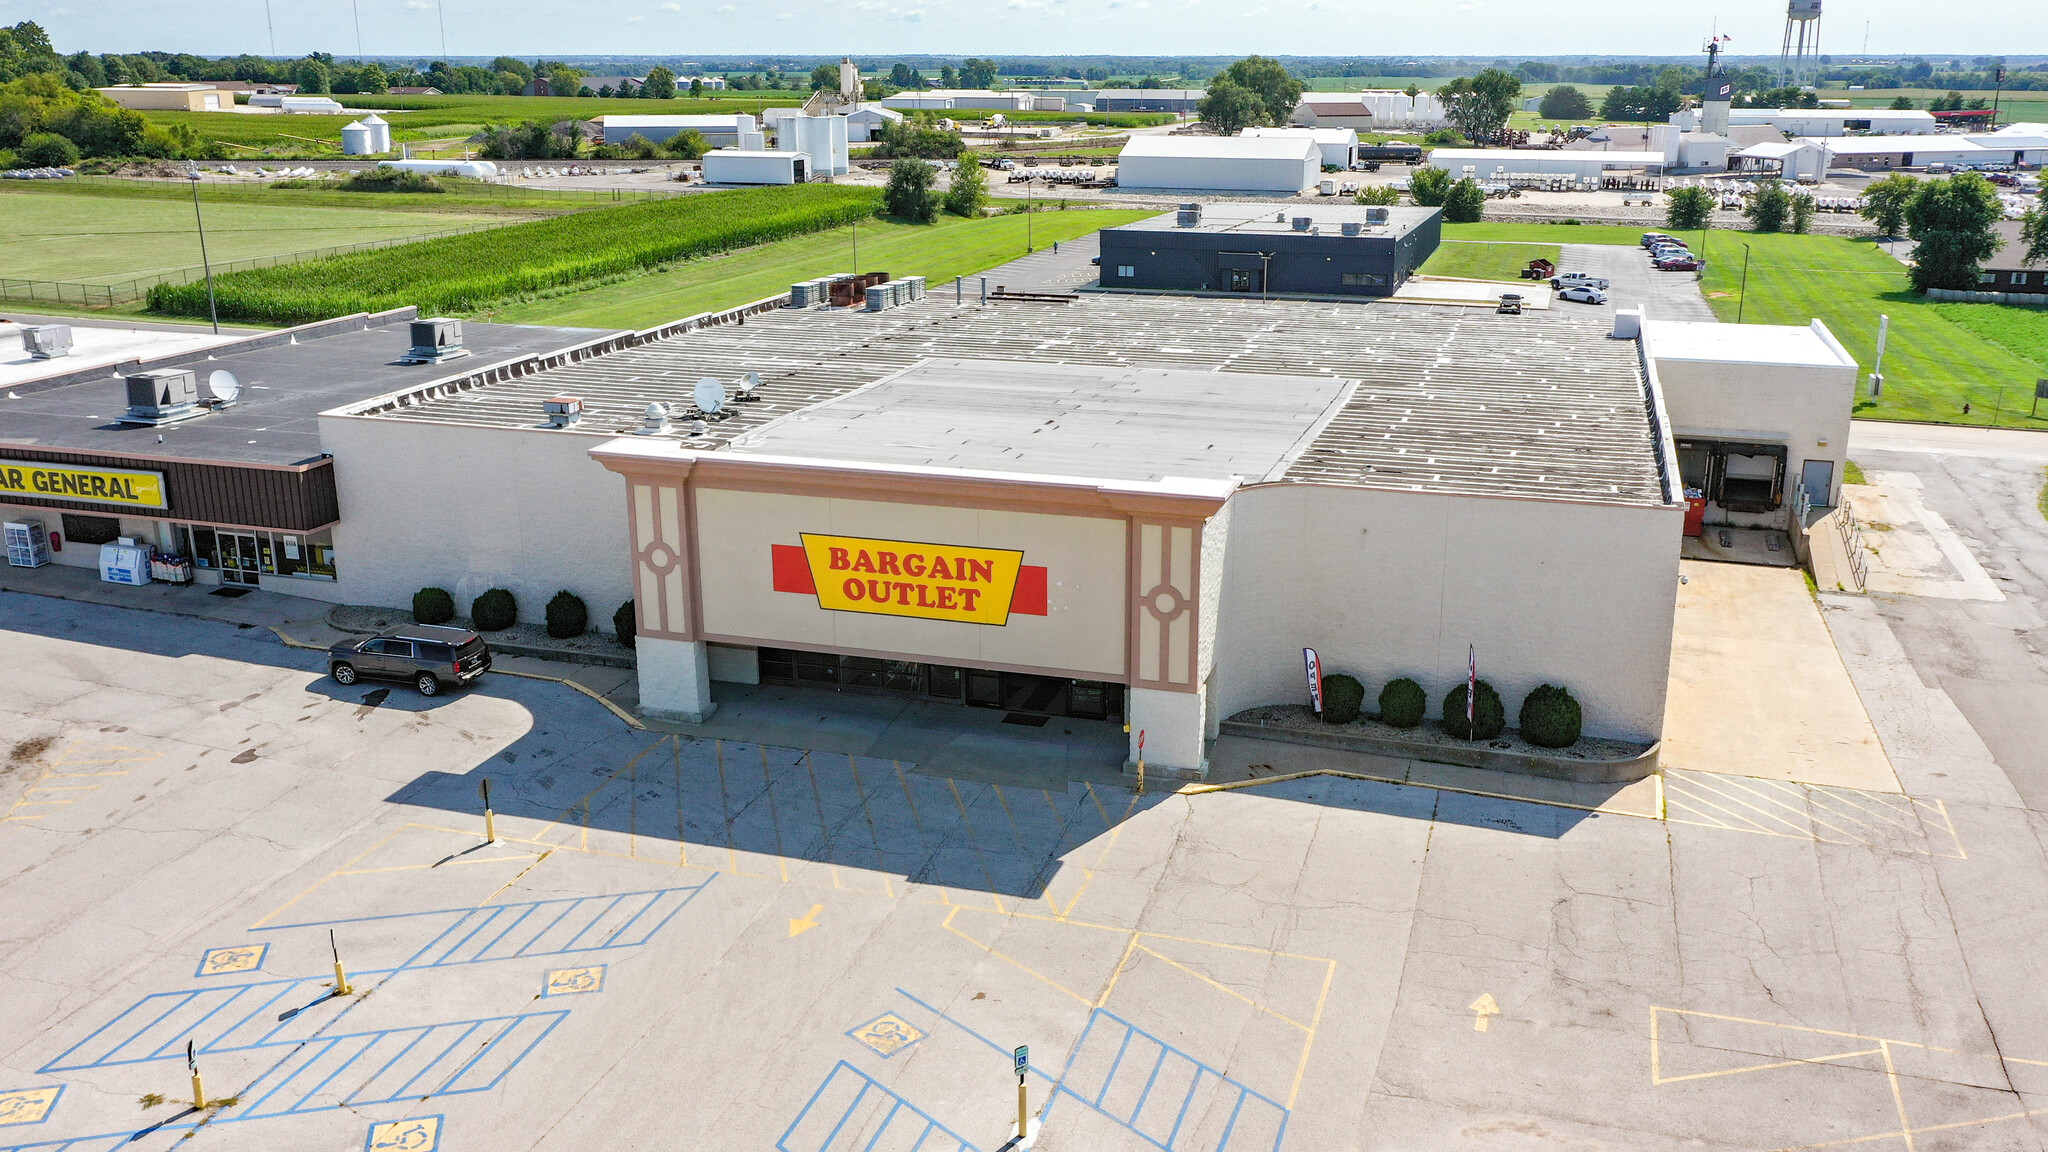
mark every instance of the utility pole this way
{"type": "Point", "coordinates": [355, 7]}
{"type": "Point", "coordinates": [212, 309]}
{"type": "Point", "coordinates": [1742, 299]}
{"type": "Point", "coordinates": [441, 13]}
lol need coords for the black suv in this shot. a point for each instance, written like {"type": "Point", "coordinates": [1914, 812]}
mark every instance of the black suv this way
{"type": "Point", "coordinates": [427, 655]}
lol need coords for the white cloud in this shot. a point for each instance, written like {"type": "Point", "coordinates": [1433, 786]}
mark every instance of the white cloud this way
{"type": "Point", "coordinates": [679, 8]}
{"type": "Point", "coordinates": [723, 8]}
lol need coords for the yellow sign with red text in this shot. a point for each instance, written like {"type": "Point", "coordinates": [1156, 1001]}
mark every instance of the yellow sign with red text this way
{"type": "Point", "coordinates": [906, 578]}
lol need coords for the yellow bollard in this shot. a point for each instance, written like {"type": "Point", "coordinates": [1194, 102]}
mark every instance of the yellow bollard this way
{"type": "Point", "coordinates": [1023, 1116]}
{"type": "Point", "coordinates": [341, 987]}
{"type": "Point", "coordinates": [1141, 761]}
{"type": "Point", "coordinates": [490, 826]}
{"type": "Point", "coordinates": [198, 1091]}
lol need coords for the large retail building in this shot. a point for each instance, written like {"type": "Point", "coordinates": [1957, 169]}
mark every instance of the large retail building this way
{"type": "Point", "coordinates": [1126, 508]}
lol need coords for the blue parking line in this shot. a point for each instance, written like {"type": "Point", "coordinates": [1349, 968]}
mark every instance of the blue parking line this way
{"type": "Point", "coordinates": [899, 1106]}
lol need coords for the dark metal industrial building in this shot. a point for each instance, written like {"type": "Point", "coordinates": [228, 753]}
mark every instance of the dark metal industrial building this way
{"type": "Point", "coordinates": [1291, 249]}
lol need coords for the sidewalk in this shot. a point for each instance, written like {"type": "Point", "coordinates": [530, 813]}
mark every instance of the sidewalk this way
{"type": "Point", "coordinates": [299, 622]}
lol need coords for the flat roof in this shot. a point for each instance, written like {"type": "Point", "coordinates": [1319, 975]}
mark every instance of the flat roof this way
{"type": "Point", "coordinates": [285, 386]}
{"type": "Point", "coordinates": [94, 343]}
{"type": "Point", "coordinates": [1319, 135]}
{"type": "Point", "coordinates": [1704, 341]}
{"type": "Point", "coordinates": [1508, 157]}
{"type": "Point", "coordinates": [1450, 400]}
{"type": "Point", "coordinates": [1112, 421]}
{"type": "Point", "coordinates": [1224, 147]}
{"type": "Point", "coordinates": [1252, 218]}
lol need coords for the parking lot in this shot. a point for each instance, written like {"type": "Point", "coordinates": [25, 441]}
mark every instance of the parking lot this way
{"type": "Point", "coordinates": [677, 942]}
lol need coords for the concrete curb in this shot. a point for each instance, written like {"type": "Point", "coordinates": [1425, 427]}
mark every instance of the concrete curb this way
{"type": "Point", "coordinates": [1524, 763]}
{"type": "Point", "coordinates": [632, 720]}
{"type": "Point", "coordinates": [509, 648]}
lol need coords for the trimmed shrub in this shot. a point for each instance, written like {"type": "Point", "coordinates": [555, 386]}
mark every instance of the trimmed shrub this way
{"type": "Point", "coordinates": [1489, 718]}
{"type": "Point", "coordinates": [624, 624]}
{"type": "Point", "coordinates": [1342, 696]}
{"type": "Point", "coordinates": [47, 150]}
{"type": "Point", "coordinates": [1403, 703]}
{"type": "Point", "coordinates": [1550, 718]}
{"type": "Point", "coordinates": [432, 606]}
{"type": "Point", "coordinates": [568, 618]}
{"type": "Point", "coordinates": [494, 611]}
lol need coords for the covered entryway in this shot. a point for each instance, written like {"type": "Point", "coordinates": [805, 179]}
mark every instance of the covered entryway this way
{"type": "Point", "coordinates": [1022, 693]}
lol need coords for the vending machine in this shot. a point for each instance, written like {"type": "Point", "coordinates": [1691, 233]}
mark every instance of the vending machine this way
{"type": "Point", "coordinates": [28, 544]}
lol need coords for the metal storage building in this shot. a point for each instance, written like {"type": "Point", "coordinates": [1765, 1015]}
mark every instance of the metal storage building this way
{"type": "Point", "coordinates": [1339, 145]}
{"type": "Point", "coordinates": [1148, 99]}
{"type": "Point", "coordinates": [1286, 165]}
{"type": "Point", "coordinates": [719, 131]}
{"type": "Point", "coordinates": [755, 166]}
{"type": "Point", "coordinates": [1489, 163]}
{"type": "Point", "coordinates": [170, 97]}
{"type": "Point", "coordinates": [1280, 249]}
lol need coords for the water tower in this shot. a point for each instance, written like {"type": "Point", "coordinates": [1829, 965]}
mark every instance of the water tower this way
{"type": "Point", "coordinates": [1799, 59]}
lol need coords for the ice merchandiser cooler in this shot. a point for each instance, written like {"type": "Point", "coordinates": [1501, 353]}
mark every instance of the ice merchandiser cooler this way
{"type": "Point", "coordinates": [125, 561]}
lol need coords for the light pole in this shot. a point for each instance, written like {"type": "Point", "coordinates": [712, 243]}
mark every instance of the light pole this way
{"type": "Point", "coordinates": [212, 309]}
{"type": "Point", "coordinates": [1027, 216]}
{"type": "Point", "coordinates": [1742, 298]}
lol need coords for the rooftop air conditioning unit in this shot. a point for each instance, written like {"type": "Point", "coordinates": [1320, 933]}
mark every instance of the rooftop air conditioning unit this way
{"type": "Point", "coordinates": [1353, 227]}
{"type": "Point", "coordinates": [46, 341]}
{"type": "Point", "coordinates": [562, 411]}
{"type": "Point", "coordinates": [162, 397]}
{"type": "Point", "coordinates": [1301, 223]}
{"type": "Point", "coordinates": [1186, 219]}
{"type": "Point", "coordinates": [1377, 215]}
{"type": "Point", "coordinates": [435, 340]}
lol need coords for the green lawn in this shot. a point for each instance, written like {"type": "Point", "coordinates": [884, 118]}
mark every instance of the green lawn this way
{"type": "Point", "coordinates": [1482, 260]}
{"type": "Point", "coordinates": [2021, 331]}
{"type": "Point", "coordinates": [1937, 358]}
{"type": "Point", "coordinates": [95, 238]}
{"type": "Point", "coordinates": [1932, 366]}
{"type": "Point", "coordinates": [939, 252]}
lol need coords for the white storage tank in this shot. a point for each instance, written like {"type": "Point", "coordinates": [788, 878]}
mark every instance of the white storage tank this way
{"type": "Point", "coordinates": [474, 169]}
{"type": "Point", "coordinates": [358, 140]}
{"type": "Point", "coordinates": [380, 132]}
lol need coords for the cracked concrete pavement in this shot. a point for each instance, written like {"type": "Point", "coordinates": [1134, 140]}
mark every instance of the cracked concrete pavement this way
{"type": "Point", "coordinates": [815, 951]}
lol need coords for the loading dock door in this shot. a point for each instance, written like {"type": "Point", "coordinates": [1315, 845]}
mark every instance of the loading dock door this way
{"type": "Point", "coordinates": [1752, 480]}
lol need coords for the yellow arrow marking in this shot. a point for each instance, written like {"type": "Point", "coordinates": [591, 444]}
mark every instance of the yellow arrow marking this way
{"type": "Point", "coordinates": [809, 921]}
{"type": "Point", "coordinates": [1485, 1007]}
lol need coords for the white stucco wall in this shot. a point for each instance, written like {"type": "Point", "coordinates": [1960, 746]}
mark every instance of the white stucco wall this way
{"type": "Point", "coordinates": [1806, 407]}
{"type": "Point", "coordinates": [470, 508]}
{"type": "Point", "coordinates": [1385, 584]}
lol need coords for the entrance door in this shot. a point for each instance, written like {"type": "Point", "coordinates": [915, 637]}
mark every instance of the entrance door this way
{"type": "Point", "coordinates": [239, 558]}
{"type": "Point", "coordinates": [1818, 478]}
{"type": "Point", "coordinates": [1242, 279]}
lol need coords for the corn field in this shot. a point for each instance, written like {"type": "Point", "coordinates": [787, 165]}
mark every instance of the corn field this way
{"type": "Point", "coordinates": [463, 273]}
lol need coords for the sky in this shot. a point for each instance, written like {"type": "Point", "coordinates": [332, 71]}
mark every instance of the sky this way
{"type": "Point", "coordinates": [531, 28]}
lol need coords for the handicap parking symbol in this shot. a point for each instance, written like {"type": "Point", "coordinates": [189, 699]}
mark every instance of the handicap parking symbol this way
{"type": "Point", "coordinates": [570, 981]}
{"type": "Point", "coordinates": [28, 1105]}
{"type": "Point", "coordinates": [887, 1034]}
{"type": "Point", "coordinates": [418, 1134]}
{"type": "Point", "coordinates": [241, 958]}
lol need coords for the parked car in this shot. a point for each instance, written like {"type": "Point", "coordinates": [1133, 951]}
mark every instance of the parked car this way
{"type": "Point", "coordinates": [1651, 238]}
{"type": "Point", "coordinates": [1575, 279]}
{"type": "Point", "coordinates": [1583, 294]}
{"type": "Point", "coordinates": [430, 657]}
{"type": "Point", "coordinates": [1685, 263]}
{"type": "Point", "coordinates": [1663, 250]}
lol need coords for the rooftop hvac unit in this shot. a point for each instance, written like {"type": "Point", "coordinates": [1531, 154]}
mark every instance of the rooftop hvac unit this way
{"type": "Point", "coordinates": [435, 340]}
{"type": "Point", "coordinates": [1377, 215]}
{"type": "Point", "coordinates": [162, 397]}
{"type": "Point", "coordinates": [1353, 228]}
{"type": "Point", "coordinates": [1187, 219]}
{"type": "Point", "coordinates": [46, 341]}
{"type": "Point", "coordinates": [1301, 223]}
{"type": "Point", "coordinates": [562, 411]}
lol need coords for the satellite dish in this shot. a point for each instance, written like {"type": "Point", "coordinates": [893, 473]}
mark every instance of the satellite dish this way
{"type": "Point", "coordinates": [748, 383]}
{"type": "Point", "coordinates": [222, 388]}
{"type": "Point", "coordinates": [710, 396]}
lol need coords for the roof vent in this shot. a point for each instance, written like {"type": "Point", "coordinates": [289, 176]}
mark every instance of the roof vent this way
{"type": "Point", "coordinates": [162, 397]}
{"type": "Point", "coordinates": [1301, 223]}
{"type": "Point", "coordinates": [654, 421]}
{"type": "Point", "coordinates": [1377, 214]}
{"type": "Point", "coordinates": [1352, 227]}
{"type": "Point", "coordinates": [46, 341]}
{"type": "Point", "coordinates": [435, 340]}
{"type": "Point", "coordinates": [1279, 217]}
{"type": "Point", "coordinates": [562, 410]}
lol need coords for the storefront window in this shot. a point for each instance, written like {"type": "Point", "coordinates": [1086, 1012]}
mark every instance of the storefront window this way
{"type": "Point", "coordinates": [309, 555]}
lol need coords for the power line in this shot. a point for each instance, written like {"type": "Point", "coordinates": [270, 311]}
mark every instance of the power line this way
{"type": "Point", "coordinates": [441, 13]}
{"type": "Point", "coordinates": [355, 6]}
{"type": "Point", "coordinates": [272, 25]}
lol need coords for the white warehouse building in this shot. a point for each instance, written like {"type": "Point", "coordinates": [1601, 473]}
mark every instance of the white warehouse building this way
{"type": "Point", "coordinates": [1825, 121]}
{"type": "Point", "coordinates": [720, 131]}
{"type": "Point", "coordinates": [1339, 145]}
{"type": "Point", "coordinates": [1283, 164]}
{"type": "Point", "coordinates": [755, 166]}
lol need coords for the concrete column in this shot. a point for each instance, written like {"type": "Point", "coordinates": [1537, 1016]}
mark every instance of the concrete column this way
{"type": "Point", "coordinates": [675, 678]}
{"type": "Point", "coordinates": [1174, 727]}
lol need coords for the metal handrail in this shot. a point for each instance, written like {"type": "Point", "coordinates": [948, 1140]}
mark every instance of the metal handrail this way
{"type": "Point", "coordinates": [1852, 542]}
